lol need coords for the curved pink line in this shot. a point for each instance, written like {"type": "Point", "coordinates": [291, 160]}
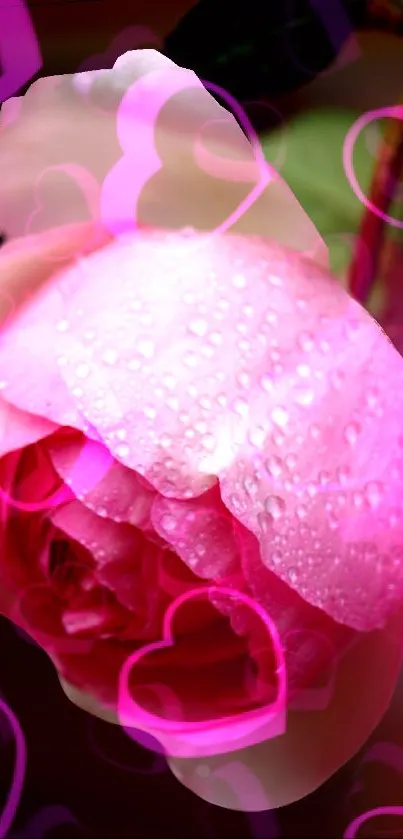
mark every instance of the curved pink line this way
{"type": "Point", "coordinates": [86, 181]}
{"type": "Point", "coordinates": [20, 762]}
{"type": "Point", "coordinates": [123, 184]}
{"type": "Point", "coordinates": [395, 112]}
{"type": "Point", "coordinates": [355, 825]}
{"type": "Point", "coordinates": [267, 172]}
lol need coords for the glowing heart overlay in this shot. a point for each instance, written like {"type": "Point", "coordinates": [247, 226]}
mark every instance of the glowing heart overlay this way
{"type": "Point", "coordinates": [20, 761]}
{"type": "Point", "coordinates": [84, 179]}
{"type": "Point", "coordinates": [354, 826]}
{"type": "Point", "coordinates": [118, 204]}
{"type": "Point", "coordinates": [396, 112]}
{"type": "Point", "coordinates": [218, 735]}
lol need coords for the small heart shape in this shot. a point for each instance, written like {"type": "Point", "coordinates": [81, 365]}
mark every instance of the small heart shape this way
{"type": "Point", "coordinates": [263, 719]}
{"type": "Point", "coordinates": [80, 191]}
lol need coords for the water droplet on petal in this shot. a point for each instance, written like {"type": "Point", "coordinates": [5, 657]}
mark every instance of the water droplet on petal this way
{"type": "Point", "coordinates": [110, 356]}
{"type": "Point", "coordinates": [305, 341]}
{"type": "Point", "coordinates": [290, 461]}
{"type": "Point", "coordinates": [267, 383]}
{"type": "Point", "coordinates": [257, 437]}
{"type": "Point", "coordinates": [373, 493]}
{"type": "Point", "coordinates": [274, 466]}
{"type": "Point", "coordinates": [324, 477]}
{"type": "Point", "coordinates": [146, 348]}
{"type": "Point", "coordinates": [250, 484]}
{"type": "Point", "coordinates": [239, 280]}
{"type": "Point", "coordinates": [358, 499]}
{"type": "Point", "coordinates": [82, 371]}
{"type": "Point", "coordinates": [122, 450]}
{"type": "Point", "coordinates": [304, 371]}
{"type": "Point", "coordinates": [134, 364]}
{"type": "Point", "coordinates": [372, 397]}
{"type": "Point", "coordinates": [304, 396]}
{"type": "Point", "coordinates": [280, 416]}
{"type": "Point", "coordinates": [168, 523]}
{"type": "Point", "coordinates": [292, 575]}
{"type": "Point", "coordinates": [275, 506]}
{"type": "Point", "coordinates": [351, 433]}
{"type": "Point", "coordinates": [62, 326]}
{"type": "Point", "coordinates": [343, 475]}
{"type": "Point", "coordinates": [198, 327]}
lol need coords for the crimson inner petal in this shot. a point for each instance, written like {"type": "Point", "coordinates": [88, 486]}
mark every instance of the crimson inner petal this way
{"type": "Point", "coordinates": [120, 605]}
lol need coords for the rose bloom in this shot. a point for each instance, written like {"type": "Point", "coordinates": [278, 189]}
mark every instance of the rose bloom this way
{"type": "Point", "coordinates": [184, 410]}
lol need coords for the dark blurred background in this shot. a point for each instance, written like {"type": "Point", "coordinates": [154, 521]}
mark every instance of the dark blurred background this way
{"type": "Point", "coordinates": [85, 778]}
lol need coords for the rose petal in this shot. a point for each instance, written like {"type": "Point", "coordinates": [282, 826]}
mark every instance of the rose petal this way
{"type": "Point", "coordinates": [106, 540]}
{"type": "Point", "coordinates": [25, 267]}
{"type": "Point", "coordinates": [119, 495]}
{"type": "Point", "coordinates": [230, 356]}
{"type": "Point", "coordinates": [200, 531]}
{"type": "Point", "coordinates": [19, 429]}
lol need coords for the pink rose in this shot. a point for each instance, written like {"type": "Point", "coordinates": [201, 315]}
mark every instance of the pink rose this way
{"type": "Point", "coordinates": [255, 457]}
{"type": "Point", "coordinates": [183, 410]}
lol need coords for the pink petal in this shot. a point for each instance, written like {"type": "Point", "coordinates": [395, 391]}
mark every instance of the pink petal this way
{"type": "Point", "coordinates": [120, 495]}
{"type": "Point", "coordinates": [32, 352]}
{"type": "Point", "coordinates": [229, 356]}
{"type": "Point", "coordinates": [19, 429]}
{"type": "Point", "coordinates": [106, 540]}
{"type": "Point", "coordinates": [200, 531]}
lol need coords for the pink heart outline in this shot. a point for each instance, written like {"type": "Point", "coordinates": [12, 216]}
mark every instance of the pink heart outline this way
{"type": "Point", "coordinates": [267, 173]}
{"type": "Point", "coordinates": [85, 180]}
{"type": "Point", "coordinates": [219, 735]}
{"type": "Point", "coordinates": [394, 112]}
{"type": "Point", "coordinates": [21, 67]}
{"type": "Point", "coordinates": [268, 106]}
{"type": "Point", "coordinates": [355, 825]}
{"type": "Point", "coordinates": [118, 204]}
{"type": "Point", "coordinates": [20, 763]}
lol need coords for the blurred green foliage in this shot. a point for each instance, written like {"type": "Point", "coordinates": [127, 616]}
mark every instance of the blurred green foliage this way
{"type": "Point", "coordinates": [308, 153]}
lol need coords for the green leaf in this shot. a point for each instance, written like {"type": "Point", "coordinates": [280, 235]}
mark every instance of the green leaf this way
{"type": "Point", "coordinates": [308, 153]}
